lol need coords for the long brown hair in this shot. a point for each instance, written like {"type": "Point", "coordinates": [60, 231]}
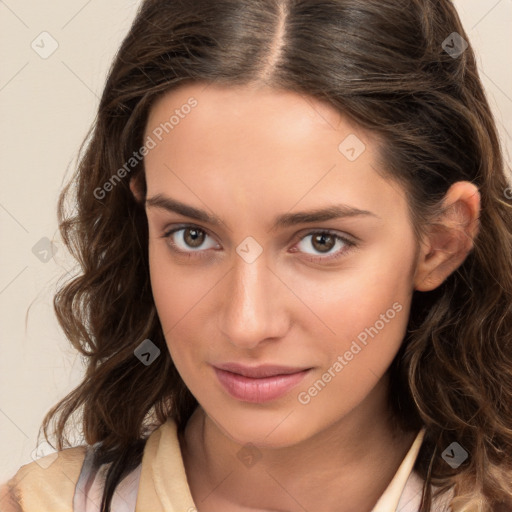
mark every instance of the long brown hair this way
{"type": "Point", "coordinates": [387, 65]}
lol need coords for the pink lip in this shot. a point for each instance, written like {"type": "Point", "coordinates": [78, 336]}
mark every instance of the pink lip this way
{"type": "Point", "coordinates": [265, 383]}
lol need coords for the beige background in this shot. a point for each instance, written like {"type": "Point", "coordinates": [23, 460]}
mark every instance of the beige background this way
{"type": "Point", "coordinates": [46, 107]}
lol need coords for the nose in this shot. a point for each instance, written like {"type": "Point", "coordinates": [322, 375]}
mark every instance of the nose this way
{"type": "Point", "coordinates": [254, 304]}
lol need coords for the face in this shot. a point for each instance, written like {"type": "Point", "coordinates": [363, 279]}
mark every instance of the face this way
{"type": "Point", "coordinates": [326, 297]}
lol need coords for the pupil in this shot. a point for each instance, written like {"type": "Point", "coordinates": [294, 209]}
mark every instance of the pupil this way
{"type": "Point", "coordinates": [322, 238]}
{"type": "Point", "coordinates": [195, 236]}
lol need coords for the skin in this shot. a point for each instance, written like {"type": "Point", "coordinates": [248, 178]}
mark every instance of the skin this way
{"type": "Point", "coordinates": [247, 155]}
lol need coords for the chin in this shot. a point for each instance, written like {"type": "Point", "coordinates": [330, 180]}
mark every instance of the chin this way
{"type": "Point", "coordinates": [266, 428]}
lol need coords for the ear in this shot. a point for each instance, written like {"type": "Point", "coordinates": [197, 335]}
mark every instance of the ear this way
{"type": "Point", "coordinates": [449, 237]}
{"type": "Point", "coordinates": [137, 188]}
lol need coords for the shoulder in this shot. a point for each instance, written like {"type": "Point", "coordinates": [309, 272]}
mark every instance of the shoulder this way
{"type": "Point", "coordinates": [45, 484]}
{"type": "Point", "coordinates": [90, 488]}
{"type": "Point", "coordinates": [68, 480]}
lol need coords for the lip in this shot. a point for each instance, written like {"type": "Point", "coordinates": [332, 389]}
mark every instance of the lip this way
{"type": "Point", "coordinates": [258, 372]}
{"type": "Point", "coordinates": [258, 384]}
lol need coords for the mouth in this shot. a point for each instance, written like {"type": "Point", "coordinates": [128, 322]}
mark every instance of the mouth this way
{"type": "Point", "coordinates": [258, 384]}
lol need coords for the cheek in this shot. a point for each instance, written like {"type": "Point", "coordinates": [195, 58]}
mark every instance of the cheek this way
{"type": "Point", "coordinates": [346, 302]}
{"type": "Point", "coordinates": [179, 295]}
{"type": "Point", "coordinates": [369, 324]}
{"type": "Point", "coordinates": [176, 289]}
{"type": "Point", "coordinates": [364, 312]}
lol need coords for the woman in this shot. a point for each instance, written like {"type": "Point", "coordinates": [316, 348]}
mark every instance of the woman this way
{"type": "Point", "coordinates": [295, 235]}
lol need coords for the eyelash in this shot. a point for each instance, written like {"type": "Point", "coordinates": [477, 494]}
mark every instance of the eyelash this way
{"type": "Point", "coordinates": [350, 245]}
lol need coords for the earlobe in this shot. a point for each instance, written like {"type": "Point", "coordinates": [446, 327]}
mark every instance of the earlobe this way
{"type": "Point", "coordinates": [135, 187]}
{"type": "Point", "coordinates": [449, 238]}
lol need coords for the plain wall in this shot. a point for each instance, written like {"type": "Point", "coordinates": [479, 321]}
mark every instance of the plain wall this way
{"type": "Point", "coordinates": [46, 108]}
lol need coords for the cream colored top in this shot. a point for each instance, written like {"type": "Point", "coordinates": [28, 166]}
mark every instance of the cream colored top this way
{"type": "Point", "coordinates": [158, 484]}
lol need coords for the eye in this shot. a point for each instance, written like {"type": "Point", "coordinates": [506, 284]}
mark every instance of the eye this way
{"type": "Point", "coordinates": [190, 240]}
{"type": "Point", "coordinates": [324, 242]}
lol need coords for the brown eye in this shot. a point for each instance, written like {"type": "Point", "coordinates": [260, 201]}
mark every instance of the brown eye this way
{"type": "Point", "coordinates": [191, 239]}
{"type": "Point", "coordinates": [323, 242]}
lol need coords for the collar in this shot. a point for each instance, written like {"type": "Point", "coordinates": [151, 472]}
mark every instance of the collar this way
{"type": "Point", "coordinates": [391, 496]}
{"type": "Point", "coordinates": [164, 487]}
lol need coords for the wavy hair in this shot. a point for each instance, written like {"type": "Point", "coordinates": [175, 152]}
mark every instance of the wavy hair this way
{"type": "Point", "coordinates": [386, 65]}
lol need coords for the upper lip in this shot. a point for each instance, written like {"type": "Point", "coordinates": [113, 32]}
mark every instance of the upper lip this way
{"type": "Point", "coordinates": [255, 372]}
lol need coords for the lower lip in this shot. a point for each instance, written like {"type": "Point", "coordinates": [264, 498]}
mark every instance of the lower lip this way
{"type": "Point", "coordinates": [258, 390]}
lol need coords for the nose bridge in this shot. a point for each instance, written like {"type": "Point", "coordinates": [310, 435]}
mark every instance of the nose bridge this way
{"type": "Point", "coordinates": [251, 305]}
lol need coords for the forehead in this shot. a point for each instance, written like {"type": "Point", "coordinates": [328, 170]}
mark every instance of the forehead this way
{"type": "Point", "coordinates": [261, 146]}
{"type": "Point", "coordinates": [258, 101]}
{"type": "Point", "coordinates": [247, 116]}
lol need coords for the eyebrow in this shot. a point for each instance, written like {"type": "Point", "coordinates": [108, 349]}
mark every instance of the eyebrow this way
{"type": "Point", "coordinates": [281, 221]}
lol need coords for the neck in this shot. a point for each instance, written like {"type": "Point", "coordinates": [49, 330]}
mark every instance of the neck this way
{"type": "Point", "coordinates": [355, 458]}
